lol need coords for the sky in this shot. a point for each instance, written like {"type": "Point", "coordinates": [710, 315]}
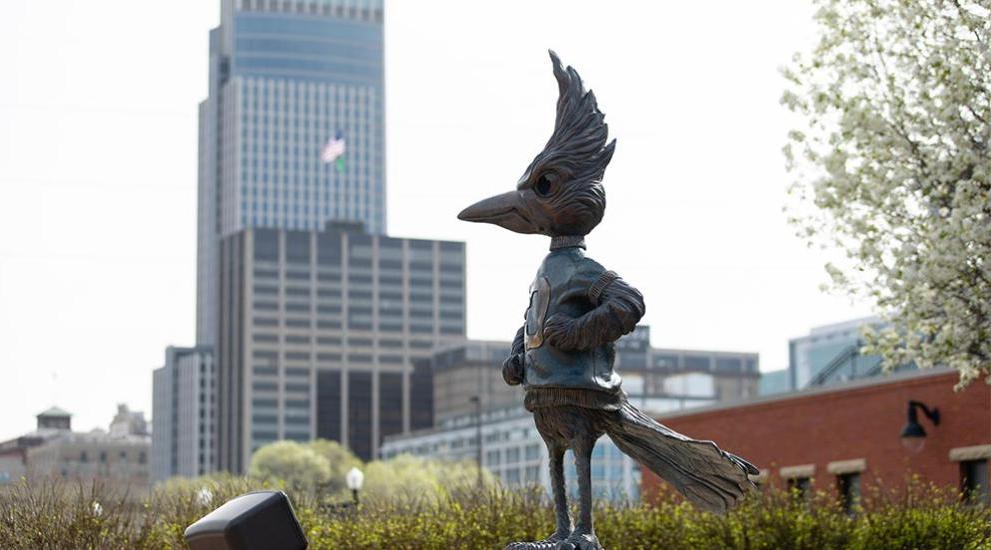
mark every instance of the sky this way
{"type": "Point", "coordinates": [98, 174]}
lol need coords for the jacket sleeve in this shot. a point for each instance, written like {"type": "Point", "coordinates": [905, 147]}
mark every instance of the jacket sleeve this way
{"type": "Point", "coordinates": [512, 367]}
{"type": "Point", "coordinates": [617, 308]}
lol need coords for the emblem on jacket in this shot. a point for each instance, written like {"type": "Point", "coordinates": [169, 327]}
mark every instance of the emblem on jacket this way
{"type": "Point", "coordinates": [536, 313]}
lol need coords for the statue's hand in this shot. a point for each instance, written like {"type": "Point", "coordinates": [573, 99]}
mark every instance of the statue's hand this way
{"type": "Point", "coordinates": [561, 332]}
{"type": "Point", "coordinates": [512, 369]}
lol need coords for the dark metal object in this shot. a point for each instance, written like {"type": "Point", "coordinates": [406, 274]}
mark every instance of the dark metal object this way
{"type": "Point", "coordinates": [563, 355]}
{"type": "Point", "coordinates": [261, 520]}
{"type": "Point", "coordinates": [912, 427]}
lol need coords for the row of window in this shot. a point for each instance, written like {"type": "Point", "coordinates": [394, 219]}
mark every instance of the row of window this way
{"type": "Point", "coordinates": [370, 10]}
{"type": "Point", "coordinates": [360, 271]}
{"type": "Point", "coordinates": [266, 367]}
{"type": "Point", "coordinates": [359, 325]}
{"type": "Point", "coordinates": [103, 457]}
{"type": "Point", "coordinates": [512, 455]}
{"type": "Point", "coordinates": [973, 485]}
{"type": "Point", "coordinates": [310, 27]}
{"type": "Point", "coordinates": [419, 291]}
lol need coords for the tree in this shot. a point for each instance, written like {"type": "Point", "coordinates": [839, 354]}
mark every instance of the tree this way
{"type": "Point", "coordinates": [340, 460]}
{"type": "Point", "coordinates": [407, 476]}
{"type": "Point", "coordinates": [297, 465]}
{"type": "Point", "coordinates": [892, 168]}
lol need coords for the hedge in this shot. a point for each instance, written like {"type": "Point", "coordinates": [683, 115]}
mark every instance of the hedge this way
{"type": "Point", "coordinates": [65, 515]}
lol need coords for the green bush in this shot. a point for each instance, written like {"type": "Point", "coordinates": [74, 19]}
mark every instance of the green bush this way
{"type": "Point", "coordinates": [59, 515]}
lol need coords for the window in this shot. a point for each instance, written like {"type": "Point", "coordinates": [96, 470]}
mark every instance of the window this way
{"type": "Point", "coordinates": [492, 458]}
{"type": "Point", "coordinates": [533, 452]}
{"type": "Point", "coordinates": [848, 486]}
{"type": "Point", "coordinates": [142, 458]}
{"type": "Point", "coordinates": [690, 384]}
{"type": "Point", "coordinates": [83, 457]}
{"type": "Point", "coordinates": [513, 476]}
{"type": "Point", "coordinates": [974, 481]}
{"type": "Point", "coordinates": [801, 487]}
{"type": "Point", "coordinates": [513, 454]}
{"type": "Point", "coordinates": [533, 474]}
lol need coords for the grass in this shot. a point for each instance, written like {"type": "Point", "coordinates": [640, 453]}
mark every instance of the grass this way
{"type": "Point", "coordinates": [54, 514]}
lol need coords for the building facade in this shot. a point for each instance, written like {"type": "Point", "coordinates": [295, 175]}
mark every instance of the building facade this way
{"type": "Point", "coordinates": [845, 438]}
{"type": "Point", "coordinates": [831, 353]}
{"type": "Point", "coordinates": [183, 414]}
{"type": "Point", "coordinates": [514, 452]}
{"type": "Point", "coordinates": [320, 331]}
{"type": "Point", "coordinates": [14, 452]}
{"type": "Point", "coordinates": [285, 77]}
{"type": "Point", "coordinates": [775, 381]}
{"type": "Point", "coordinates": [118, 458]}
{"type": "Point", "coordinates": [656, 380]}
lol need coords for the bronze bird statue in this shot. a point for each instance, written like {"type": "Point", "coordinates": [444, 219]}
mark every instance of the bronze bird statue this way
{"type": "Point", "coordinates": [563, 355]}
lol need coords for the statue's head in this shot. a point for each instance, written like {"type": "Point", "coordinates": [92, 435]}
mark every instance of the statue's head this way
{"type": "Point", "coordinates": [560, 193]}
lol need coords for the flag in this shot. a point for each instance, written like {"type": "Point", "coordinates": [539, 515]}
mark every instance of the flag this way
{"type": "Point", "coordinates": [334, 151]}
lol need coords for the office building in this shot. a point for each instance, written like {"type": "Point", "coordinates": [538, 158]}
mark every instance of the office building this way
{"type": "Point", "coordinates": [285, 78]}
{"type": "Point", "coordinates": [183, 414]}
{"type": "Point", "coordinates": [656, 380]}
{"type": "Point", "coordinates": [455, 375]}
{"type": "Point", "coordinates": [118, 458]}
{"type": "Point", "coordinates": [831, 353]}
{"type": "Point", "coordinates": [320, 331]}
{"type": "Point", "coordinates": [14, 452]}
{"type": "Point", "coordinates": [775, 381]}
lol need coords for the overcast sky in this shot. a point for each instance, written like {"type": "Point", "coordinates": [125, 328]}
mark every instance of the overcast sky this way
{"type": "Point", "coordinates": [98, 174]}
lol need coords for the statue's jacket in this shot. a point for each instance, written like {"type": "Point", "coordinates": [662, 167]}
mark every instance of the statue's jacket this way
{"type": "Point", "coordinates": [579, 370]}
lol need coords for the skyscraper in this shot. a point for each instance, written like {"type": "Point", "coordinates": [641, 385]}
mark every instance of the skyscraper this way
{"type": "Point", "coordinates": [320, 330]}
{"type": "Point", "coordinates": [286, 77]}
{"type": "Point", "coordinates": [313, 314]}
{"type": "Point", "coordinates": [183, 414]}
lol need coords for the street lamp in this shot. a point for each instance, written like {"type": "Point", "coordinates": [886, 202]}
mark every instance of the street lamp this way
{"type": "Point", "coordinates": [913, 434]}
{"type": "Point", "coordinates": [354, 478]}
{"type": "Point", "coordinates": [477, 400]}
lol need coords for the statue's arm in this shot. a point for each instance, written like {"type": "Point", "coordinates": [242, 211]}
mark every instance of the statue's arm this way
{"type": "Point", "coordinates": [512, 368]}
{"type": "Point", "coordinates": [618, 307]}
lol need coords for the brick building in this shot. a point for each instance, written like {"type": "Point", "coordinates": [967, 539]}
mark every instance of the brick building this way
{"type": "Point", "coordinates": [845, 438]}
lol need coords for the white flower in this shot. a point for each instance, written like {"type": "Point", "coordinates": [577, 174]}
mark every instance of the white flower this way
{"type": "Point", "coordinates": [892, 166]}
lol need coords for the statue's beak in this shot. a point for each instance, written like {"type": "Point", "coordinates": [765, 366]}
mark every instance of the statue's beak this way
{"type": "Point", "coordinates": [507, 210]}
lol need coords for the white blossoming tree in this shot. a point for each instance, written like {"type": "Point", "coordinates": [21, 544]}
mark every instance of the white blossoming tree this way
{"type": "Point", "coordinates": [892, 167]}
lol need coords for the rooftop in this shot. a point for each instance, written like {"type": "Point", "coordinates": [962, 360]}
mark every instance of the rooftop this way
{"type": "Point", "coordinates": [56, 412]}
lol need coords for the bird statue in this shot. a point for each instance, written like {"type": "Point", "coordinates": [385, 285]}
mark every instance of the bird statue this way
{"type": "Point", "coordinates": [563, 355]}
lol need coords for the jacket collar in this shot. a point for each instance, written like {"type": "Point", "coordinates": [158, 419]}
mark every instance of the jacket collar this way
{"type": "Point", "coordinates": [567, 241]}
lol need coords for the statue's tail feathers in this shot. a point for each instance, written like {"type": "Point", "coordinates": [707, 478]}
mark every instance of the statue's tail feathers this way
{"type": "Point", "coordinates": [708, 477]}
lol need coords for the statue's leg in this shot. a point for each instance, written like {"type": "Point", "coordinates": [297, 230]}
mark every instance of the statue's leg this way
{"type": "Point", "coordinates": [556, 455]}
{"type": "Point", "coordinates": [549, 426]}
{"type": "Point", "coordinates": [583, 537]}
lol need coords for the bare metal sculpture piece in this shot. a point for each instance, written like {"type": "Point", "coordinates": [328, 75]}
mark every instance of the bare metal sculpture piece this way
{"type": "Point", "coordinates": [563, 355]}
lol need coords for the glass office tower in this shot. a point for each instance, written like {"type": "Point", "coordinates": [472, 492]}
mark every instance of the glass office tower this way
{"type": "Point", "coordinates": [286, 77]}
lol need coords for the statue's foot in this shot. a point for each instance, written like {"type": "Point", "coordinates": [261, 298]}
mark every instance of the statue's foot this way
{"type": "Point", "coordinates": [580, 541]}
{"type": "Point", "coordinates": [550, 543]}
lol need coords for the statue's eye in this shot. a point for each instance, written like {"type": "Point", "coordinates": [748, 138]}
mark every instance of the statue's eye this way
{"type": "Point", "coordinates": [545, 184]}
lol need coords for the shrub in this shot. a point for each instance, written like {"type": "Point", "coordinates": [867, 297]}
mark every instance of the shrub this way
{"type": "Point", "coordinates": [55, 514]}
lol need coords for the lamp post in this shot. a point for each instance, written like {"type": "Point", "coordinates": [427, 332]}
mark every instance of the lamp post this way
{"type": "Point", "coordinates": [354, 478]}
{"type": "Point", "coordinates": [477, 400]}
{"type": "Point", "coordinates": [913, 434]}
